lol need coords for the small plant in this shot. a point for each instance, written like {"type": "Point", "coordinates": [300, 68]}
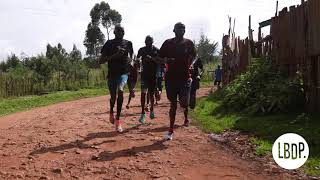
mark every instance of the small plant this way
{"type": "Point", "coordinates": [264, 89]}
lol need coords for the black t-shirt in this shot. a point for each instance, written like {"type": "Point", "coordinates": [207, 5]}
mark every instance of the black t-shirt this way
{"type": "Point", "coordinates": [119, 66]}
{"type": "Point", "coordinates": [197, 65]}
{"type": "Point", "coordinates": [149, 67]}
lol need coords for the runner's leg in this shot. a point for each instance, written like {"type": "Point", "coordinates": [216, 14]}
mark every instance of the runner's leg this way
{"type": "Point", "coordinates": [184, 99]}
{"type": "Point", "coordinates": [112, 85]}
{"type": "Point", "coordinates": [121, 84]}
{"type": "Point", "coordinates": [143, 100]}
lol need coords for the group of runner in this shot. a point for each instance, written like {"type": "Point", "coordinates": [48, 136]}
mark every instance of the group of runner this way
{"type": "Point", "coordinates": [176, 62]}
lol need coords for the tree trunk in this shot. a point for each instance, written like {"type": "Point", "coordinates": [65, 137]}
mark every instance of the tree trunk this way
{"type": "Point", "coordinates": [88, 77]}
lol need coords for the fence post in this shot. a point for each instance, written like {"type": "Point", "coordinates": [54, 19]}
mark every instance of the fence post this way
{"type": "Point", "coordinates": [312, 92]}
{"type": "Point", "coordinates": [260, 44]}
{"type": "Point", "coordinates": [318, 84]}
{"type": "Point", "coordinates": [250, 36]}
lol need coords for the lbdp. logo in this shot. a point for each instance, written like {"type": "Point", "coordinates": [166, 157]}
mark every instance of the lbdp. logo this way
{"type": "Point", "coordinates": [290, 151]}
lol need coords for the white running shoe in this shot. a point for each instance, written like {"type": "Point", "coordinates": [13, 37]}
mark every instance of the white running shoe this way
{"type": "Point", "coordinates": [168, 136]}
{"type": "Point", "coordinates": [118, 126]}
{"type": "Point", "coordinates": [119, 129]}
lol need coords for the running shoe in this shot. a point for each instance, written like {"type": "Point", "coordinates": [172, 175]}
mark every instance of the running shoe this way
{"type": "Point", "coordinates": [186, 123]}
{"type": "Point", "coordinates": [111, 118]}
{"type": "Point", "coordinates": [142, 118]}
{"type": "Point", "coordinates": [168, 136]}
{"type": "Point", "coordinates": [118, 126]}
{"type": "Point", "coordinates": [152, 115]}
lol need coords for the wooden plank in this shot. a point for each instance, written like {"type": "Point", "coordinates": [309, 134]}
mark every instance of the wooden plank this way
{"type": "Point", "coordinates": [318, 84]}
{"type": "Point", "coordinates": [275, 38]}
{"type": "Point", "coordinates": [277, 6]}
{"type": "Point", "coordinates": [317, 30]}
{"type": "Point", "coordinates": [283, 39]}
{"type": "Point", "coordinates": [250, 39]}
{"type": "Point", "coordinates": [309, 19]}
{"type": "Point", "coordinates": [265, 23]}
{"type": "Point", "coordinates": [300, 40]}
{"type": "Point", "coordinates": [313, 27]}
{"type": "Point", "coordinates": [310, 28]}
{"type": "Point", "coordinates": [259, 49]}
{"type": "Point", "coordinates": [293, 34]}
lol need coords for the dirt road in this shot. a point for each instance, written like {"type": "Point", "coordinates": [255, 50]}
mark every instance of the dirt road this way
{"type": "Point", "coordinates": [74, 140]}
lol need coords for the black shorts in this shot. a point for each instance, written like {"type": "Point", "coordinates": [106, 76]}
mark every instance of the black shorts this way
{"type": "Point", "coordinates": [175, 90]}
{"type": "Point", "coordinates": [132, 84]}
{"type": "Point", "coordinates": [195, 85]}
{"type": "Point", "coordinates": [148, 84]}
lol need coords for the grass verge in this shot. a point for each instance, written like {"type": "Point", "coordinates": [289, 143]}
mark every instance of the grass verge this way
{"type": "Point", "coordinates": [211, 117]}
{"type": "Point", "coordinates": [18, 104]}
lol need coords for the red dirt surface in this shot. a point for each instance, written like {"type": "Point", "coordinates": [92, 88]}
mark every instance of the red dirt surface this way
{"type": "Point", "coordinates": [74, 140]}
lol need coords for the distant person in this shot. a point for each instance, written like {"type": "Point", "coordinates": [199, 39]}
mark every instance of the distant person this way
{"type": "Point", "coordinates": [117, 52]}
{"type": "Point", "coordinates": [148, 76]}
{"type": "Point", "coordinates": [178, 53]}
{"type": "Point", "coordinates": [218, 77]}
{"type": "Point", "coordinates": [159, 87]}
{"type": "Point", "coordinates": [197, 71]}
{"type": "Point", "coordinates": [160, 74]}
{"type": "Point", "coordinates": [132, 80]}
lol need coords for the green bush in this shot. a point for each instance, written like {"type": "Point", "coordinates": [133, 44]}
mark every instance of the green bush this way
{"type": "Point", "coordinates": [263, 89]}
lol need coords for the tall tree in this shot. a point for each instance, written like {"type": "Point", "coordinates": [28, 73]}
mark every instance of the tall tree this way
{"type": "Point", "coordinates": [206, 49]}
{"type": "Point", "coordinates": [101, 14]}
{"type": "Point", "coordinates": [95, 14]}
{"type": "Point", "coordinates": [3, 67]}
{"type": "Point", "coordinates": [75, 58]}
{"type": "Point", "coordinates": [41, 67]}
{"type": "Point", "coordinates": [58, 57]}
{"type": "Point", "coordinates": [75, 54]}
{"type": "Point", "coordinates": [109, 17]}
{"type": "Point", "coordinates": [94, 40]}
{"type": "Point", "coordinates": [12, 61]}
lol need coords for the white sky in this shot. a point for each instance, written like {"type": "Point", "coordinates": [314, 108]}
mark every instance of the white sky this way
{"type": "Point", "coordinates": [27, 26]}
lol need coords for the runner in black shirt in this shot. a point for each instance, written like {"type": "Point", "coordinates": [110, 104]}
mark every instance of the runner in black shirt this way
{"type": "Point", "coordinates": [197, 70]}
{"type": "Point", "coordinates": [117, 52]}
{"type": "Point", "coordinates": [148, 75]}
{"type": "Point", "coordinates": [132, 80]}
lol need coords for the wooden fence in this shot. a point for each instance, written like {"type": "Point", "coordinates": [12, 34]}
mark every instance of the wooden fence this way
{"type": "Point", "coordinates": [293, 44]}
{"type": "Point", "coordinates": [13, 87]}
{"type": "Point", "coordinates": [296, 40]}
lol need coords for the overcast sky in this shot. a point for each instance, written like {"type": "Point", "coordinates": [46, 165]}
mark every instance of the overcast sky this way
{"type": "Point", "coordinates": [28, 26]}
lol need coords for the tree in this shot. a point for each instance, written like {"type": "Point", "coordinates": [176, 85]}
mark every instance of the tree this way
{"type": "Point", "coordinates": [90, 63]}
{"type": "Point", "coordinates": [50, 51]}
{"type": "Point", "coordinates": [94, 40]}
{"type": "Point", "coordinates": [3, 67]}
{"type": "Point", "coordinates": [109, 17]}
{"type": "Point", "coordinates": [75, 58]}
{"type": "Point", "coordinates": [42, 67]}
{"type": "Point", "coordinates": [75, 54]}
{"type": "Point", "coordinates": [58, 57]}
{"type": "Point", "coordinates": [12, 61]}
{"type": "Point", "coordinates": [95, 14]}
{"type": "Point", "coordinates": [205, 49]}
